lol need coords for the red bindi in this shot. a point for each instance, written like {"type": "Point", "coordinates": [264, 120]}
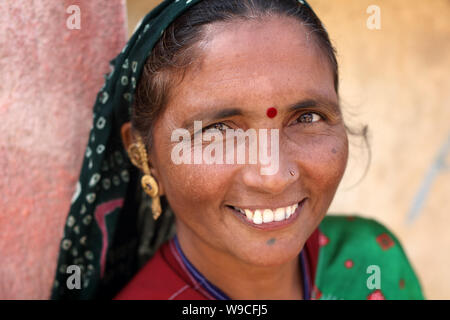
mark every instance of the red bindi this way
{"type": "Point", "coordinates": [271, 112]}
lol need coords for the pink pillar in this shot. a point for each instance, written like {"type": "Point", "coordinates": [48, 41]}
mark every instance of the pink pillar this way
{"type": "Point", "coordinates": [49, 78]}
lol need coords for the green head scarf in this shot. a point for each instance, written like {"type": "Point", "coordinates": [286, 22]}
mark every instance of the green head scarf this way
{"type": "Point", "coordinates": [110, 231]}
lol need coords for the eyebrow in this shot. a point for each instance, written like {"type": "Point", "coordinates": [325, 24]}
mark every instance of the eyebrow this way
{"type": "Point", "coordinates": [212, 115]}
{"type": "Point", "coordinates": [328, 105]}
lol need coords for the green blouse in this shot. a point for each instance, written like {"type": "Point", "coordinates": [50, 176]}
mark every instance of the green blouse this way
{"type": "Point", "coordinates": [361, 259]}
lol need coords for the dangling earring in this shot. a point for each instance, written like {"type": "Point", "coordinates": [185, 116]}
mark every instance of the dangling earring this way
{"type": "Point", "coordinates": [138, 156]}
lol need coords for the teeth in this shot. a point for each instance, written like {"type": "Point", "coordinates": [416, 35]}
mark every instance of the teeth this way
{"type": "Point", "coordinates": [260, 216]}
{"type": "Point", "coordinates": [280, 214]}
{"type": "Point", "coordinates": [257, 217]}
{"type": "Point", "coordinates": [288, 212]}
{"type": "Point", "coordinates": [267, 216]}
{"type": "Point", "coordinates": [293, 208]}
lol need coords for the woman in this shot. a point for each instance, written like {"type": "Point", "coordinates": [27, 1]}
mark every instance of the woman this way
{"type": "Point", "coordinates": [250, 222]}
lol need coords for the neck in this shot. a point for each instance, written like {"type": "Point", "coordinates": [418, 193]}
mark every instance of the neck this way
{"type": "Point", "coordinates": [238, 279]}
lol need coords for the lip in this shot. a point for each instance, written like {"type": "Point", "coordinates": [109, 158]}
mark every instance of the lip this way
{"type": "Point", "coordinates": [275, 225]}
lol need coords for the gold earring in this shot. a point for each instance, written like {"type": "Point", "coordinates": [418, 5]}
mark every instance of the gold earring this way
{"type": "Point", "coordinates": [138, 156]}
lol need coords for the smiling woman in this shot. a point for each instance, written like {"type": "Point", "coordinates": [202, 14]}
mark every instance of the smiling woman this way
{"type": "Point", "coordinates": [239, 233]}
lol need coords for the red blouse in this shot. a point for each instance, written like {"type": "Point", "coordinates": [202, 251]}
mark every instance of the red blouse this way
{"type": "Point", "coordinates": [165, 276]}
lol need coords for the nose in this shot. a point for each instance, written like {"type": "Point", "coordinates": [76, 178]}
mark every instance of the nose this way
{"type": "Point", "coordinates": [273, 184]}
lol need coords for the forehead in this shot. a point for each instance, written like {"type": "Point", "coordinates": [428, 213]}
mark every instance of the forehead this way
{"type": "Point", "coordinates": [274, 60]}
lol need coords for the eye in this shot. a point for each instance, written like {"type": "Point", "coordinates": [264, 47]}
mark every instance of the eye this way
{"type": "Point", "coordinates": [222, 127]}
{"type": "Point", "coordinates": [309, 117]}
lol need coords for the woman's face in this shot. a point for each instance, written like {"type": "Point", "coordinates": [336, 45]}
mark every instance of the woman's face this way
{"type": "Point", "coordinates": [247, 68]}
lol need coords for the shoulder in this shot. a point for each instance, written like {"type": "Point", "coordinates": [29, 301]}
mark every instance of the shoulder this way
{"type": "Point", "coordinates": [158, 280]}
{"type": "Point", "coordinates": [359, 258]}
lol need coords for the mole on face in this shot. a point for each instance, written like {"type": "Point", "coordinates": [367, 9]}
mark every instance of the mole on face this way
{"type": "Point", "coordinates": [271, 112]}
{"type": "Point", "coordinates": [271, 241]}
{"type": "Point", "coordinates": [334, 150]}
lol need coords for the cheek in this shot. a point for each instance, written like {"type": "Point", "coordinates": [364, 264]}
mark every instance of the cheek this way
{"type": "Point", "coordinates": [191, 188]}
{"type": "Point", "coordinates": [322, 159]}
{"type": "Point", "coordinates": [194, 191]}
{"type": "Point", "coordinates": [199, 184]}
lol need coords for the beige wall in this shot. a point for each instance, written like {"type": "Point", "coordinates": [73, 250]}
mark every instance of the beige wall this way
{"type": "Point", "coordinates": [396, 80]}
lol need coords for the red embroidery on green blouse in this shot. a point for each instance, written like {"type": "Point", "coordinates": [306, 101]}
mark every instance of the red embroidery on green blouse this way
{"type": "Point", "coordinates": [385, 241]}
{"type": "Point", "coordinates": [348, 263]}
{"type": "Point", "coordinates": [376, 295]}
{"type": "Point", "coordinates": [316, 294]}
{"type": "Point", "coordinates": [401, 284]}
{"type": "Point", "coordinates": [323, 239]}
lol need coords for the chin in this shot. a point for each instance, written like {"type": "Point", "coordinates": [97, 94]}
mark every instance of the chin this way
{"type": "Point", "coordinates": [278, 253]}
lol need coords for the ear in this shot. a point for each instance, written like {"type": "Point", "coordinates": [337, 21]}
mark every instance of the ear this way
{"type": "Point", "coordinates": [127, 137]}
{"type": "Point", "coordinates": [127, 140]}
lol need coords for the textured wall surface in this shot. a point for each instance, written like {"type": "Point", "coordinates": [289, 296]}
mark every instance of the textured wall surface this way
{"type": "Point", "coordinates": [49, 78]}
{"type": "Point", "coordinates": [396, 80]}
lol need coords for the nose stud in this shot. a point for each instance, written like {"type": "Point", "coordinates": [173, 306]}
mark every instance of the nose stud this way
{"type": "Point", "coordinates": [292, 172]}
